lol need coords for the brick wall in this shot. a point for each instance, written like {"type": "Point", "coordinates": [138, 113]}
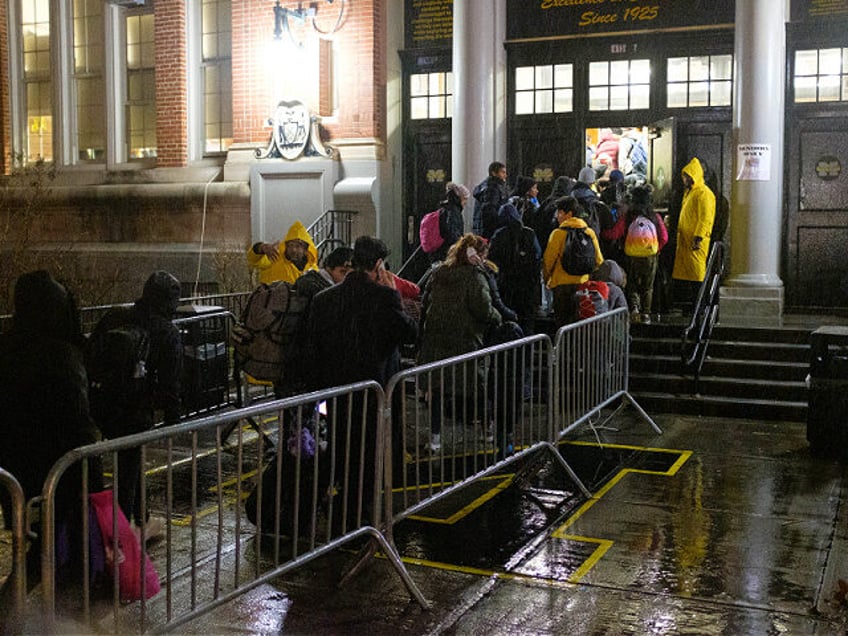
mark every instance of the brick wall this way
{"type": "Point", "coordinates": [171, 93]}
{"type": "Point", "coordinates": [5, 112]}
{"type": "Point", "coordinates": [359, 50]}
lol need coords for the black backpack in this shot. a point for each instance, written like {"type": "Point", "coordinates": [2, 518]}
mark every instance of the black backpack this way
{"type": "Point", "coordinates": [116, 358]}
{"type": "Point", "coordinates": [592, 210]}
{"type": "Point", "coordinates": [578, 253]}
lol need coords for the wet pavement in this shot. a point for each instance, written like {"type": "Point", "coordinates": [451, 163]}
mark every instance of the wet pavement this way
{"type": "Point", "coordinates": [717, 526]}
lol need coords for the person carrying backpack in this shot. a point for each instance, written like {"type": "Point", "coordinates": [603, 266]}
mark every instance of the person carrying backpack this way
{"type": "Point", "coordinates": [590, 207]}
{"type": "Point", "coordinates": [516, 252]}
{"type": "Point", "coordinates": [644, 235]}
{"type": "Point", "coordinates": [449, 223]}
{"type": "Point", "coordinates": [572, 254]}
{"type": "Point", "coordinates": [145, 378]}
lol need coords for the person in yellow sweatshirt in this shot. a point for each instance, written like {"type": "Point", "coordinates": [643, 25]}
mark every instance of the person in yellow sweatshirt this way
{"type": "Point", "coordinates": [285, 260]}
{"type": "Point", "coordinates": [560, 282]}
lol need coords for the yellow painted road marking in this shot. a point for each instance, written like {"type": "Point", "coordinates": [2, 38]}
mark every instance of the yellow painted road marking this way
{"type": "Point", "coordinates": [606, 544]}
{"type": "Point", "coordinates": [603, 545]}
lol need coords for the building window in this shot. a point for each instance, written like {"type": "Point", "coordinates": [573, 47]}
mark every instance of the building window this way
{"type": "Point", "coordinates": [141, 86]}
{"type": "Point", "coordinates": [821, 75]}
{"type": "Point", "coordinates": [38, 87]}
{"type": "Point", "coordinates": [620, 85]}
{"type": "Point", "coordinates": [216, 52]}
{"type": "Point", "coordinates": [89, 83]}
{"type": "Point", "coordinates": [705, 80]}
{"type": "Point", "coordinates": [544, 89]}
{"type": "Point", "coordinates": [431, 95]}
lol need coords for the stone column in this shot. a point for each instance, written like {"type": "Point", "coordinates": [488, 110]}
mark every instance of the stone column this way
{"type": "Point", "coordinates": [754, 288]}
{"type": "Point", "coordinates": [478, 128]}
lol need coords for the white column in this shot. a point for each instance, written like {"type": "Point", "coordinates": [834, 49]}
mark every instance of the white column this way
{"type": "Point", "coordinates": [754, 287]}
{"type": "Point", "coordinates": [478, 128]}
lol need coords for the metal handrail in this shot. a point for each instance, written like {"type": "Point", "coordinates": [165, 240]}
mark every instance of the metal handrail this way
{"type": "Point", "coordinates": [696, 335]}
{"type": "Point", "coordinates": [332, 229]}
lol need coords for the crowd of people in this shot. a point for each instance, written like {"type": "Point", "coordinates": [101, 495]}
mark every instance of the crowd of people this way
{"type": "Point", "coordinates": [484, 287]}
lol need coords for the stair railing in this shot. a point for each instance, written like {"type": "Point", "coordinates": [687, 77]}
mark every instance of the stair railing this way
{"type": "Point", "coordinates": [332, 229]}
{"type": "Point", "coordinates": [696, 335]}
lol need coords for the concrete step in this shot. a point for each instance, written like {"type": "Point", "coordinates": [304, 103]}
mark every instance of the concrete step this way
{"type": "Point", "coordinates": [748, 372]}
{"type": "Point", "coordinates": [723, 367]}
{"type": "Point", "coordinates": [720, 406]}
{"type": "Point", "coordinates": [728, 388]}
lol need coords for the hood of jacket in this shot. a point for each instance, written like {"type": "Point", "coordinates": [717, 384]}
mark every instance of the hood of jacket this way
{"type": "Point", "coordinates": [509, 213]}
{"type": "Point", "coordinates": [298, 232]}
{"type": "Point", "coordinates": [161, 294]}
{"type": "Point", "coordinates": [490, 182]}
{"type": "Point", "coordinates": [45, 307]}
{"type": "Point", "coordinates": [583, 192]}
{"type": "Point", "coordinates": [562, 186]}
{"type": "Point", "coordinates": [695, 171]}
{"type": "Point", "coordinates": [609, 272]}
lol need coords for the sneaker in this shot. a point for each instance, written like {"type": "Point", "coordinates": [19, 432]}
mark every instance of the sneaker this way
{"type": "Point", "coordinates": [436, 442]}
{"type": "Point", "coordinates": [646, 319]}
{"type": "Point", "coordinates": [635, 317]}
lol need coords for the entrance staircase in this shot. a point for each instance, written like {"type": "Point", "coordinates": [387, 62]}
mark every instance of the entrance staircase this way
{"type": "Point", "coordinates": [752, 373]}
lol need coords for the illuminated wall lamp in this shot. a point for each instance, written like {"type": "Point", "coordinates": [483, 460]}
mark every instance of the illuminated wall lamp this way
{"type": "Point", "coordinates": [301, 15]}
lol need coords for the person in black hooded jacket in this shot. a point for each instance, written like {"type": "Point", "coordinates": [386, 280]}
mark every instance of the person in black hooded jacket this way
{"type": "Point", "coordinates": [515, 250]}
{"type": "Point", "coordinates": [154, 312]}
{"type": "Point", "coordinates": [44, 401]}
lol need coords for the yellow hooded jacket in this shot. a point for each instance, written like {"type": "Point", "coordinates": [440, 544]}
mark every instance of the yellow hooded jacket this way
{"type": "Point", "coordinates": [283, 269]}
{"type": "Point", "coordinates": [552, 270]}
{"type": "Point", "coordinates": [696, 219]}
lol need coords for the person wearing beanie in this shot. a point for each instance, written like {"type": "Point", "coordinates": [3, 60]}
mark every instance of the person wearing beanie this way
{"type": "Point", "coordinates": [525, 198]}
{"type": "Point", "coordinates": [586, 176]}
{"type": "Point", "coordinates": [515, 250]}
{"type": "Point", "coordinates": [451, 223]}
{"type": "Point", "coordinates": [153, 314]}
{"type": "Point", "coordinates": [562, 283]}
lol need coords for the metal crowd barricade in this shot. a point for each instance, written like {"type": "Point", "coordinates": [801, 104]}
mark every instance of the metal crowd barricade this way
{"type": "Point", "coordinates": [494, 408]}
{"type": "Point", "coordinates": [321, 485]}
{"type": "Point", "coordinates": [205, 332]}
{"type": "Point", "coordinates": [591, 371]}
{"type": "Point", "coordinates": [18, 575]}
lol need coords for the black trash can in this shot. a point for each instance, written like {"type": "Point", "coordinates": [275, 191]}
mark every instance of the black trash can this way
{"type": "Point", "coordinates": [205, 376]}
{"type": "Point", "coordinates": [827, 412]}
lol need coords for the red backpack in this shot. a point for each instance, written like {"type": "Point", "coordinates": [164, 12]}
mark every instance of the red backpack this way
{"type": "Point", "coordinates": [429, 232]}
{"type": "Point", "coordinates": [592, 299]}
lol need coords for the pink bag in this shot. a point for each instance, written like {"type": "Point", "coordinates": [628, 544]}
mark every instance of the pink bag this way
{"type": "Point", "coordinates": [129, 551]}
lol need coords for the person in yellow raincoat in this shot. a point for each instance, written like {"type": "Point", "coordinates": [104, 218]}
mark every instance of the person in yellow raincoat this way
{"type": "Point", "coordinates": [693, 233]}
{"type": "Point", "coordinates": [285, 260]}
